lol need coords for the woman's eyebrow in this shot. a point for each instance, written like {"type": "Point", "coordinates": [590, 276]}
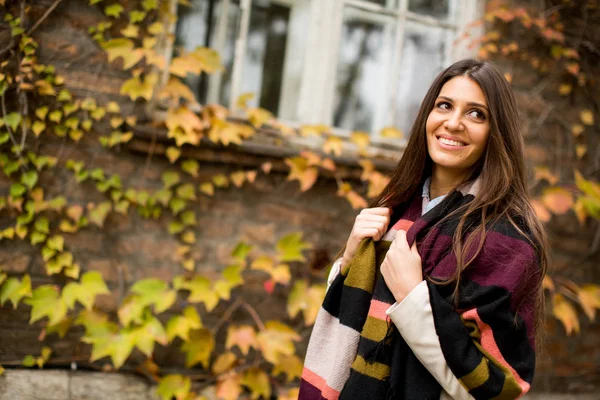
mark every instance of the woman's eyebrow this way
{"type": "Point", "coordinates": [469, 104]}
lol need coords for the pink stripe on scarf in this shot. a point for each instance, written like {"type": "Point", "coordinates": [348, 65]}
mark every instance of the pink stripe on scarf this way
{"type": "Point", "coordinates": [378, 308]}
{"type": "Point", "coordinates": [319, 383]}
{"type": "Point", "coordinates": [489, 344]}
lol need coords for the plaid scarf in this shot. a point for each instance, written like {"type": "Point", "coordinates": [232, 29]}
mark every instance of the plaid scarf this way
{"type": "Point", "coordinates": [356, 352]}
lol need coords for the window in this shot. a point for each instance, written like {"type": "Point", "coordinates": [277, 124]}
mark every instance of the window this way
{"type": "Point", "coordinates": [351, 64]}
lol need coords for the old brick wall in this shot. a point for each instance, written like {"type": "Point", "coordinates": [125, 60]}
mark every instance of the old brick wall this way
{"type": "Point", "coordinates": [131, 247]}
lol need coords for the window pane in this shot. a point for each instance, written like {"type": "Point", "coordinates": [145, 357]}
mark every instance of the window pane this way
{"type": "Point", "coordinates": [198, 26]}
{"type": "Point", "coordinates": [423, 57]}
{"type": "Point", "coordinates": [435, 8]}
{"type": "Point", "coordinates": [265, 53]}
{"type": "Point", "coordinates": [364, 58]}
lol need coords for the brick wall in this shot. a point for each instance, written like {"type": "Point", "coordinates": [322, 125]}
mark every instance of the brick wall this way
{"type": "Point", "coordinates": [131, 247]}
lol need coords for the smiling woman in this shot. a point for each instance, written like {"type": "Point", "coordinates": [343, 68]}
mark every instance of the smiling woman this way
{"type": "Point", "coordinates": [438, 291]}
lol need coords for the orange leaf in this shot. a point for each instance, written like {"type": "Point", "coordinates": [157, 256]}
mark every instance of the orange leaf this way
{"type": "Point", "coordinates": [258, 116]}
{"type": "Point", "coordinates": [242, 336]}
{"type": "Point", "coordinates": [547, 283]}
{"type": "Point", "coordinates": [242, 100]}
{"type": "Point", "coordinates": [565, 89]}
{"type": "Point", "coordinates": [557, 199]}
{"type": "Point", "coordinates": [333, 145]}
{"type": "Point", "coordinates": [229, 388]}
{"type": "Point", "coordinates": [577, 129]}
{"type": "Point", "coordinates": [300, 171]}
{"type": "Point", "coordinates": [391, 132]}
{"type": "Point", "coordinates": [541, 211]}
{"type": "Point", "coordinates": [581, 150]}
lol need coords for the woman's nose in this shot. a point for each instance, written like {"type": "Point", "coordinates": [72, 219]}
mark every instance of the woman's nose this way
{"type": "Point", "coordinates": [453, 122]}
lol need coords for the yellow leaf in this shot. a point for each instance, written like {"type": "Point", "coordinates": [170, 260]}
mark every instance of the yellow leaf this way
{"type": "Point", "coordinates": [144, 336]}
{"type": "Point", "coordinates": [391, 132]}
{"type": "Point", "coordinates": [577, 130]}
{"type": "Point", "coordinates": [589, 298]}
{"type": "Point", "coordinates": [281, 274]}
{"type": "Point", "coordinates": [580, 211]}
{"type": "Point", "coordinates": [557, 199]}
{"type": "Point", "coordinates": [92, 284]}
{"type": "Point", "coordinates": [15, 290]}
{"type": "Point", "coordinates": [199, 348]}
{"type": "Point", "coordinates": [361, 139]}
{"type": "Point", "coordinates": [201, 292]}
{"type": "Point", "coordinates": [580, 150]}
{"type": "Point", "coordinates": [587, 117]}
{"type": "Point", "coordinates": [136, 87]}
{"type": "Point", "coordinates": [258, 116]}
{"type": "Point", "coordinates": [242, 336]}
{"type": "Point", "coordinates": [124, 48]}
{"type": "Point", "coordinates": [300, 171]}
{"type": "Point", "coordinates": [377, 182]}
{"type": "Point", "coordinates": [131, 31]}
{"type": "Point", "coordinates": [242, 100]}
{"type": "Point", "coordinates": [175, 89]}
{"type": "Point", "coordinates": [223, 363]}
{"type": "Point", "coordinates": [291, 366]}
{"type": "Point", "coordinates": [542, 172]}
{"type": "Point", "coordinates": [181, 325]}
{"type": "Point", "coordinates": [258, 382]}
{"type": "Point", "coordinates": [333, 145]}
{"type": "Point", "coordinates": [547, 283]}
{"type": "Point", "coordinates": [61, 328]}
{"type": "Point", "coordinates": [565, 89]}
{"type": "Point", "coordinates": [263, 263]}
{"type": "Point", "coordinates": [153, 291]}
{"type": "Point", "coordinates": [238, 178]}
{"type": "Point", "coordinates": [1, 370]}
{"type": "Point", "coordinates": [277, 340]}
{"type": "Point", "coordinates": [207, 188]}
{"type": "Point", "coordinates": [173, 154]}
{"type": "Point", "coordinates": [565, 312]}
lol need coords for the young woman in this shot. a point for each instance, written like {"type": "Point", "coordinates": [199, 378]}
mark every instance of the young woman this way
{"type": "Point", "coordinates": [445, 303]}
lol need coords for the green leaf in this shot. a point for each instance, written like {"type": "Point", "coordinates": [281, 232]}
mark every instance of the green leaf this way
{"type": "Point", "coordinates": [176, 227]}
{"type": "Point", "coordinates": [14, 290]}
{"type": "Point", "coordinates": [37, 237]}
{"type": "Point", "coordinates": [41, 112]}
{"type": "Point", "coordinates": [42, 224]}
{"type": "Point", "coordinates": [170, 179]}
{"type": "Point", "coordinates": [191, 167]}
{"type": "Point", "coordinates": [199, 348]}
{"type": "Point", "coordinates": [290, 247]}
{"type": "Point", "coordinates": [136, 16]}
{"type": "Point", "coordinates": [28, 361]}
{"type": "Point", "coordinates": [177, 205]}
{"type": "Point", "coordinates": [181, 325]}
{"type": "Point", "coordinates": [113, 10]}
{"type": "Point", "coordinates": [188, 218]}
{"type": "Point", "coordinates": [177, 386]}
{"type": "Point", "coordinates": [38, 127]}
{"type": "Point", "coordinates": [201, 292]}
{"type": "Point", "coordinates": [99, 213]}
{"type": "Point", "coordinates": [150, 4]}
{"type": "Point", "coordinates": [13, 120]}
{"type": "Point", "coordinates": [56, 243]}
{"type": "Point", "coordinates": [163, 196]}
{"type": "Point", "coordinates": [154, 291]}
{"type": "Point", "coordinates": [241, 251]}
{"type": "Point", "coordinates": [46, 302]}
{"type": "Point", "coordinates": [64, 95]}
{"type": "Point", "coordinates": [55, 116]}
{"type": "Point", "coordinates": [97, 174]}
{"type": "Point", "coordinates": [17, 190]}
{"type": "Point", "coordinates": [186, 192]}
{"type": "Point", "coordinates": [29, 179]}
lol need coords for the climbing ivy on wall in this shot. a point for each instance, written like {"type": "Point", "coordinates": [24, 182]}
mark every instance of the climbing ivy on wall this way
{"type": "Point", "coordinates": [258, 358]}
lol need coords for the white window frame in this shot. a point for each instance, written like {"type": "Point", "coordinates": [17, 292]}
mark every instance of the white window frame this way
{"type": "Point", "coordinates": [315, 88]}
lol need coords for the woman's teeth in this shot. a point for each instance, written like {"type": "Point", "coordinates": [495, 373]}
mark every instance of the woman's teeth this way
{"type": "Point", "coordinates": [450, 142]}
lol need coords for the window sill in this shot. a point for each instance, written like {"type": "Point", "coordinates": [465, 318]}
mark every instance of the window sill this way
{"type": "Point", "coordinates": [268, 145]}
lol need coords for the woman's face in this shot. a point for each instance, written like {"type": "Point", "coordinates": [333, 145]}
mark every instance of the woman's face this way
{"type": "Point", "coordinates": [458, 126]}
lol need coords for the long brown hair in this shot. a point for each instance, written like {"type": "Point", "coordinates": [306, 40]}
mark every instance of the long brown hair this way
{"type": "Point", "coordinates": [501, 171]}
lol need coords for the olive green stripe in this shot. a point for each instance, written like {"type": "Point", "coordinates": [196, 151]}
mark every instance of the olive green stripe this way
{"type": "Point", "coordinates": [374, 370]}
{"type": "Point", "coordinates": [361, 270]}
{"type": "Point", "coordinates": [374, 329]}
{"type": "Point", "coordinates": [478, 376]}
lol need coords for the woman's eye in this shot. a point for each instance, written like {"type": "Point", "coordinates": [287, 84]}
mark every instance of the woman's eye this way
{"type": "Point", "coordinates": [444, 105]}
{"type": "Point", "coordinates": [477, 114]}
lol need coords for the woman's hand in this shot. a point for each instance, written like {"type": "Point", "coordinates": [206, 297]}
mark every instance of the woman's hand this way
{"type": "Point", "coordinates": [401, 268]}
{"type": "Point", "coordinates": [371, 222]}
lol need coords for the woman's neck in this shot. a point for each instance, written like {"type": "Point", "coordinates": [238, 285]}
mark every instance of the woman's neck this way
{"type": "Point", "coordinates": [443, 181]}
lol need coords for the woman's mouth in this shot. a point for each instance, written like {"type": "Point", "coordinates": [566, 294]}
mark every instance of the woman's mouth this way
{"type": "Point", "coordinates": [447, 142]}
